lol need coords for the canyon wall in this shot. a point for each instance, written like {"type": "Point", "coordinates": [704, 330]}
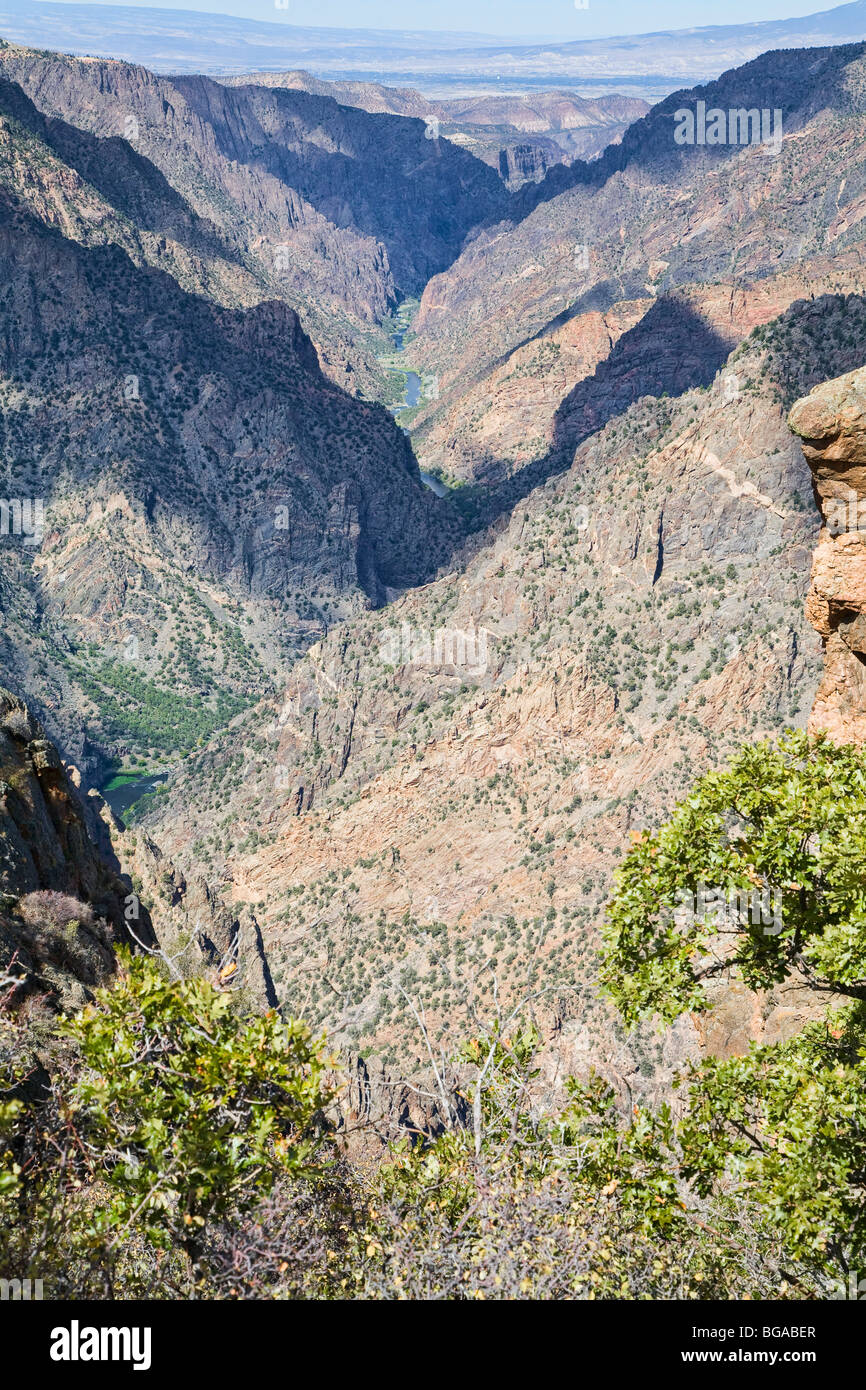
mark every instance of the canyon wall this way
{"type": "Point", "coordinates": [831, 423]}
{"type": "Point", "coordinates": [63, 906]}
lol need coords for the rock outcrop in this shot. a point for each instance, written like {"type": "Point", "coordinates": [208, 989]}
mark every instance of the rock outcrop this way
{"type": "Point", "coordinates": [197, 933]}
{"type": "Point", "coordinates": [63, 907]}
{"type": "Point", "coordinates": [831, 423]}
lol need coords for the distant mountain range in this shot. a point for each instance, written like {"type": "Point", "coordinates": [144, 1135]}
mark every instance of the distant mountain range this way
{"type": "Point", "coordinates": [186, 41]}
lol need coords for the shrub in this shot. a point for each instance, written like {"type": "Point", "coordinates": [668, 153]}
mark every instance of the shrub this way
{"type": "Point", "coordinates": [785, 1124]}
{"type": "Point", "coordinates": [168, 1114]}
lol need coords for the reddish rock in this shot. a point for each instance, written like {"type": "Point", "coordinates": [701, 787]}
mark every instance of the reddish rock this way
{"type": "Point", "coordinates": [831, 422]}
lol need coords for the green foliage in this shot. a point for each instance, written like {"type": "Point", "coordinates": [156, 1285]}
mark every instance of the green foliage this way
{"type": "Point", "coordinates": [633, 1161]}
{"type": "Point", "coordinates": [785, 1124]}
{"type": "Point", "coordinates": [788, 1123]}
{"type": "Point", "coordinates": [193, 1111]}
{"type": "Point", "coordinates": [571, 1204]}
{"type": "Point", "coordinates": [786, 823]}
{"type": "Point", "coordinates": [182, 1146]}
{"type": "Point", "coordinates": [166, 1115]}
{"type": "Point", "coordinates": [132, 707]}
{"type": "Point", "coordinates": [9, 1170]}
{"type": "Point", "coordinates": [181, 1157]}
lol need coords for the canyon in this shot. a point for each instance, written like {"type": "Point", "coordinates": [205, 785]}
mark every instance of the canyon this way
{"type": "Point", "coordinates": [520, 136]}
{"type": "Point", "coordinates": [406, 735]}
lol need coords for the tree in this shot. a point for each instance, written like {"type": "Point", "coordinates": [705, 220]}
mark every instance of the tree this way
{"type": "Point", "coordinates": [760, 871]}
{"type": "Point", "coordinates": [787, 1124]}
{"type": "Point", "coordinates": [193, 1110]}
{"type": "Point", "coordinates": [562, 1204]}
{"type": "Point", "coordinates": [783, 826]}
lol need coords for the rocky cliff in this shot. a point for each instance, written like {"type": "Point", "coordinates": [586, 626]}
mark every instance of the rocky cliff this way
{"type": "Point", "coordinates": [831, 423]}
{"type": "Point", "coordinates": [520, 136]}
{"type": "Point", "coordinates": [337, 211]}
{"type": "Point", "coordinates": [63, 906]}
{"type": "Point", "coordinates": [442, 830]}
{"type": "Point", "coordinates": [209, 500]}
{"type": "Point", "coordinates": [639, 273]}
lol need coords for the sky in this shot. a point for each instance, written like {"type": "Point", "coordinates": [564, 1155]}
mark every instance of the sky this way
{"type": "Point", "coordinates": [525, 18]}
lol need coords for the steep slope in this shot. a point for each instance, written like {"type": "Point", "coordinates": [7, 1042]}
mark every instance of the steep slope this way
{"type": "Point", "coordinates": [202, 502]}
{"type": "Point", "coordinates": [520, 136]}
{"type": "Point", "coordinates": [831, 422]}
{"type": "Point", "coordinates": [334, 210]}
{"type": "Point", "coordinates": [643, 275]}
{"type": "Point", "coordinates": [431, 817]}
{"type": "Point", "coordinates": [63, 907]}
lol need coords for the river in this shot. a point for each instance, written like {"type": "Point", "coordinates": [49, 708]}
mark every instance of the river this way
{"type": "Point", "coordinates": [120, 798]}
{"type": "Point", "coordinates": [412, 397]}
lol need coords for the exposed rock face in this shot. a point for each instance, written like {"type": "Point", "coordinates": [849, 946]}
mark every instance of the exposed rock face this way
{"type": "Point", "coordinates": [375, 1106]}
{"type": "Point", "coordinates": [74, 882]}
{"type": "Point", "coordinates": [534, 113]}
{"type": "Point", "coordinates": [523, 162]}
{"type": "Point", "coordinates": [195, 466]}
{"type": "Point", "coordinates": [408, 824]}
{"type": "Point", "coordinates": [62, 905]}
{"type": "Point", "coordinates": [197, 932]}
{"type": "Point", "coordinates": [831, 423]}
{"type": "Point", "coordinates": [333, 209]}
{"type": "Point", "coordinates": [725, 236]}
{"type": "Point", "coordinates": [520, 135]}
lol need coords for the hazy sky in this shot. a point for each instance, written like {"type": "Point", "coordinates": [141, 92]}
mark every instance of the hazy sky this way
{"type": "Point", "coordinates": [526, 17]}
